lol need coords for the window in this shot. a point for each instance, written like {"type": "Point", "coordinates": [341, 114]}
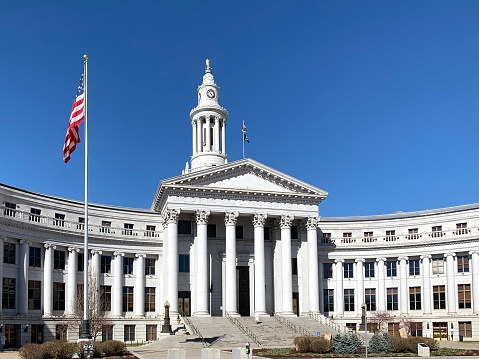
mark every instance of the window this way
{"type": "Point", "coordinates": [437, 266]}
{"type": "Point", "coordinates": [436, 231]}
{"type": "Point", "coordinates": [10, 209]}
{"type": "Point", "coordinates": [370, 298]}
{"type": "Point", "coordinates": [462, 264]}
{"type": "Point", "coordinates": [294, 232]}
{"type": "Point", "coordinates": [239, 232]}
{"type": "Point", "coordinates": [326, 238]}
{"type": "Point", "coordinates": [439, 296]}
{"type": "Point", "coordinates": [150, 266]}
{"type": "Point", "coordinates": [34, 295]}
{"type": "Point", "coordinates": [129, 333]}
{"type": "Point", "coordinates": [327, 270]}
{"type": "Point", "coordinates": [35, 214]}
{"type": "Point", "coordinates": [127, 265]}
{"type": "Point", "coordinates": [150, 230]}
{"type": "Point", "coordinates": [81, 223]}
{"type": "Point", "coordinates": [415, 298]}
{"type": "Point", "coordinates": [105, 297]}
{"type": "Point", "coordinates": [58, 259]}
{"type": "Point", "coordinates": [149, 299]}
{"type": "Point", "coordinates": [369, 269]}
{"type": "Point", "coordinates": [347, 237]}
{"type": "Point", "coordinates": [391, 235]}
{"type": "Point", "coordinates": [211, 230]}
{"type": "Point", "coordinates": [81, 262]}
{"type": "Point", "coordinates": [465, 329]}
{"type": "Point", "coordinates": [348, 269]}
{"type": "Point", "coordinates": [349, 300]}
{"type": "Point", "coordinates": [127, 299]}
{"type": "Point", "coordinates": [8, 253]}
{"type": "Point", "coordinates": [37, 334]}
{"type": "Point", "coordinates": [294, 266]}
{"type": "Point", "coordinates": [105, 227]}
{"type": "Point", "coordinates": [184, 227]}
{"type": "Point", "coordinates": [8, 293]}
{"type": "Point", "coordinates": [391, 269]}
{"type": "Point", "coordinates": [392, 298]}
{"type": "Point", "coordinates": [393, 329]}
{"type": "Point", "coordinates": [328, 295]}
{"type": "Point", "coordinates": [414, 267]}
{"type": "Point", "coordinates": [461, 228]}
{"type": "Point", "coordinates": [59, 220]}
{"type": "Point", "coordinates": [106, 332]}
{"type": "Point", "coordinates": [151, 332]}
{"type": "Point", "coordinates": [127, 229]}
{"type": "Point", "coordinates": [34, 258]}
{"type": "Point", "coordinates": [464, 296]}
{"type": "Point", "coordinates": [61, 331]}
{"type": "Point", "coordinates": [105, 264]}
{"type": "Point", "coordinates": [368, 237]}
{"type": "Point", "coordinates": [184, 263]}
{"type": "Point", "coordinates": [415, 329]}
{"type": "Point", "coordinates": [58, 296]}
{"type": "Point", "coordinates": [413, 233]}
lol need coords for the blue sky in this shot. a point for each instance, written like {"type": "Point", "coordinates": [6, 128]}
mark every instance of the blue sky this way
{"type": "Point", "coordinates": [376, 102]}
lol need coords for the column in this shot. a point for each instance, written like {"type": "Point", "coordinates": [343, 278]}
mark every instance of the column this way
{"type": "Point", "coordinates": [48, 280]}
{"type": "Point", "coordinates": [287, 276]}
{"type": "Point", "coordinates": [451, 285]}
{"type": "Point", "coordinates": [117, 290]}
{"type": "Point", "coordinates": [339, 293]}
{"type": "Point", "coordinates": [23, 277]}
{"type": "Point", "coordinates": [94, 276]}
{"type": "Point", "coordinates": [223, 137]}
{"type": "Point", "coordinates": [2, 244]}
{"type": "Point", "coordinates": [475, 280]}
{"type": "Point", "coordinates": [216, 141]}
{"type": "Point", "coordinates": [195, 135]}
{"type": "Point", "coordinates": [139, 298]}
{"type": "Point", "coordinates": [359, 285]}
{"type": "Point", "coordinates": [426, 283]}
{"type": "Point", "coordinates": [199, 129]}
{"type": "Point", "coordinates": [259, 220]}
{"type": "Point", "coordinates": [71, 280]}
{"type": "Point", "coordinates": [201, 265]}
{"type": "Point", "coordinates": [230, 279]}
{"type": "Point", "coordinates": [381, 295]}
{"type": "Point", "coordinates": [171, 219]}
{"type": "Point", "coordinates": [208, 133]}
{"type": "Point", "coordinates": [313, 271]}
{"type": "Point", "coordinates": [403, 289]}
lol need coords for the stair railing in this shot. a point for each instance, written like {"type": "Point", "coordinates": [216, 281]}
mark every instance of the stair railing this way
{"type": "Point", "coordinates": [295, 328]}
{"type": "Point", "coordinates": [329, 322]}
{"type": "Point", "coordinates": [194, 330]}
{"type": "Point", "coordinates": [244, 329]}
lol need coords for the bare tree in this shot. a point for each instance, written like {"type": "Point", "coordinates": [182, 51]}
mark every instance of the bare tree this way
{"type": "Point", "coordinates": [381, 318]}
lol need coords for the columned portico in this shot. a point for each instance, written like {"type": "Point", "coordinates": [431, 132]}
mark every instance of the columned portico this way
{"type": "Point", "coordinates": [381, 285]}
{"type": "Point", "coordinates": [201, 263]}
{"type": "Point", "coordinates": [23, 278]}
{"type": "Point", "coordinates": [360, 285]}
{"type": "Point", "coordinates": [170, 217]}
{"type": "Point", "coordinates": [231, 294]}
{"type": "Point", "coordinates": [117, 290]}
{"type": "Point", "coordinates": [139, 299]}
{"type": "Point", "coordinates": [287, 275]}
{"type": "Point", "coordinates": [72, 280]}
{"type": "Point", "coordinates": [339, 295]}
{"type": "Point", "coordinates": [403, 289]}
{"type": "Point", "coordinates": [426, 283]}
{"type": "Point", "coordinates": [259, 265]}
{"type": "Point", "coordinates": [450, 283]}
{"type": "Point", "coordinates": [313, 280]}
{"type": "Point", "coordinates": [48, 280]}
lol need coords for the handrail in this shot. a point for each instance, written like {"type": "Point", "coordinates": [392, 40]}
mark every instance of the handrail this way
{"type": "Point", "coordinates": [194, 330]}
{"type": "Point", "coordinates": [295, 328]}
{"type": "Point", "coordinates": [329, 322]}
{"type": "Point", "coordinates": [244, 329]}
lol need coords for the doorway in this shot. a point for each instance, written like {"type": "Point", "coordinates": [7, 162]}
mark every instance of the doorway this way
{"type": "Point", "coordinates": [242, 288]}
{"type": "Point", "coordinates": [296, 303]}
{"type": "Point", "coordinates": [439, 330]}
{"type": "Point", "coordinates": [184, 300]}
{"type": "Point", "coordinates": [11, 335]}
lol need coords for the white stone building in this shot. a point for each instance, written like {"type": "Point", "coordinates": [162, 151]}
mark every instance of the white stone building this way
{"type": "Point", "coordinates": [233, 238]}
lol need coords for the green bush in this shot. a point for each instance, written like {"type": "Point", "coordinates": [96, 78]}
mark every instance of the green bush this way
{"type": "Point", "coordinates": [302, 344]}
{"type": "Point", "coordinates": [345, 344]}
{"type": "Point", "coordinates": [59, 349]}
{"type": "Point", "coordinates": [409, 344]}
{"type": "Point", "coordinates": [112, 347]}
{"type": "Point", "coordinates": [379, 343]}
{"type": "Point", "coordinates": [32, 351]}
{"type": "Point", "coordinates": [319, 345]}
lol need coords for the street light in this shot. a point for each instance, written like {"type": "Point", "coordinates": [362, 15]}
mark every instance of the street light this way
{"type": "Point", "coordinates": [363, 306]}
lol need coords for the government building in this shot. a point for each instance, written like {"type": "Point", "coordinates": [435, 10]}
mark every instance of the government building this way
{"type": "Point", "coordinates": [232, 239]}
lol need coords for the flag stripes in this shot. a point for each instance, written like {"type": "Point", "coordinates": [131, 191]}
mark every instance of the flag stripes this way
{"type": "Point", "coordinates": [77, 116]}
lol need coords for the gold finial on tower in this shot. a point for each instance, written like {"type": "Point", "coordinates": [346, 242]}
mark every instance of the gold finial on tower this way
{"type": "Point", "coordinates": [208, 67]}
{"type": "Point", "coordinates": [85, 57]}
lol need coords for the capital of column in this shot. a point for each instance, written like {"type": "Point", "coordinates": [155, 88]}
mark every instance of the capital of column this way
{"type": "Point", "coordinates": [96, 251]}
{"type": "Point", "coordinates": [24, 241]}
{"type": "Point", "coordinates": [286, 221]}
{"type": "Point", "coordinates": [231, 218]}
{"type": "Point", "coordinates": [312, 223]}
{"type": "Point", "coordinates": [116, 254]}
{"type": "Point", "coordinates": [473, 252]}
{"type": "Point", "coordinates": [381, 260]}
{"type": "Point", "coordinates": [425, 256]}
{"type": "Point", "coordinates": [259, 219]}
{"type": "Point", "coordinates": [340, 260]}
{"type": "Point", "coordinates": [50, 246]}
{"type": "Point", "coordinates": [359, 260]}
{"type": "Point", "coordinates": [73, 249]}
{"type": "Point", "coordinates": [171, 215]}
{"type": "Point", "coordinates": [202, 217]}
{"type": "Point", "coordinates": [449, 254]}
{"type": "Point", "coordinates": [3, 238]}
{"type": "Point", "coordinates": [405, 258]}
{"type": "Point", "coordinates": [140, 255]}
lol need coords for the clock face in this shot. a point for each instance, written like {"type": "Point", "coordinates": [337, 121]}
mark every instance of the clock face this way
{"type": "Point", "coordinates": [210, 94]}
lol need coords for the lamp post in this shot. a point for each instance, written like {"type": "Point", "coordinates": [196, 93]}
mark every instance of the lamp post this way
{"type": "Point", "coordinates": [166, 327]}
{"type": "Point", "coordinates": [365, 320]}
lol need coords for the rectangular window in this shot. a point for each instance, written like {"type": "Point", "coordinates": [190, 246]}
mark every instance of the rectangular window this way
{"type": "Point", "coordinates": [9, 253]}
{"type": "Point", "coordinates": [61, 331]}
{"type": "Point", "coordinates": [149, 299]}
{"type": "Point", "coordinates": [462, 264]}
{"type": "Point", "coordinates": [327, 270]}
{"type": "Point", "coordinates": [414, 267]}
{"type": "Point", "coordinates": [127, 265]}
{"type": "Point", "coordinates": [34, 295]}
{"type": "Point", "coordinates": [328, 295]}
{"type": "Point", "coordinates": [393, 329]}
{"type": "Point", "coordinates": [129, 333]}
{"type": "Point", "coordinates": [239, 232]}
{"type": "Point", "coordinates": [347, 237]}
{"type": "Point", "coordinates": [81, 223]}
{"type": "Point", "coordinates": [326, 238]}
{"type": "Point", "coordinates": [369, 269]}
{"type": "Point", "coordinates": [10, 209]}
{"type": "Point", "coordinates": [465, 329]}
{"type": "Point", "coordinates": [415, 329]}
{"type": "Point", "coordinates": [8, 293]}
{"type": "Point", "coordinates": [59, 220]}
{"type": "Point", "coordinates": [151, 334]}
{"type": "Point", "coordinates": [348, 269]}
{"type": "Point", "coordinates": [370, 298]}
{"type": "Point", "coordinates": [438, 266]}
{"type": "Point", "coordinates": [294, 266]}
{"type": "Point", "coordinates": [368, 237]}
{"type": "Point", "coordinates": [436, 231]}
{"type": "Point", "coordinates": [127, 229]}
{"type": "Point", "coordinates": [211, 230]}
{"type": "Point", "coordinates": [81, 262]}
{"type": "Point", "coordinates": [391, 235]}
{"type": "Point", "coordinates": [35, 214]}
{"type": "Point", "coordinates": [105, 264]}
{"type": "Point", "coordinates": [349, 300]}
{"type": "Point", "coordinates": [184, 263]}
{"type": "Point", "coordinates": [392, 298]}
{"type": "Point", "coordinates": [184, 227]}
{"type": "Point", "coordinates": [461, 228]}
{"type": "Point", "coordinates": [106, 332]}
{"type": "Point", "coordinates": [413, 233]}
{"type": "Point", "coordinates": [58, 259]}
{"type": "Point", "coordinates": [37, 334]}
{"type": "Point", "coordinates": [34, 259]}
{"type": "Point", "coordinates": [105, 297]}
{"type": "Point", "coordinates": [105, 227]}
{"type": "Point", "coordinates": [294, 232]}
{"type": "Point", "coordinates": [439, 296]}
{"type": "Point", "coordinates": [58, 296]}
{"type": "Point", "coordinates": [464, 296]}
{"type": "Point", "coordinates": [150, 231]}
{"type": "Point", "coordinates": [391, 269]}
{"type": "Point", "coordinates": [127, 299]}
{"type": "Point", "coordinates": [150, 266]}
{"type": "Point", "coordinates": [415, 298]}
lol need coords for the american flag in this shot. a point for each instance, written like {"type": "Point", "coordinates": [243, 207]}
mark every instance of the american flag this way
{"type": "Point", "coordinates": [245, 138]}
{"type": "Point", "coordinates": [76, 118]}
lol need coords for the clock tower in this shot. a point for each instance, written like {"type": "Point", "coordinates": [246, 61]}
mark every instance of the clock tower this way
{"type": "Point", "coordinates": [208, 121]}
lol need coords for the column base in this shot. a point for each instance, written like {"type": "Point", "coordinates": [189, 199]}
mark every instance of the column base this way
{"type": "Point", "coordinates": [232, 314]}
{"type": "Point", "coordinates": [261, 314]}
{"type": "Point", "coordinates": [288, 314]}
{"type": "Point", "coordinates": [201, 314]}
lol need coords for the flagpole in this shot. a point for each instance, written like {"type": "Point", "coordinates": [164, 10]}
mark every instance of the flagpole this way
{"type": "Point", "coordinates": [85, 335]}
{"type": "Point", "coordinates": [242, 132]}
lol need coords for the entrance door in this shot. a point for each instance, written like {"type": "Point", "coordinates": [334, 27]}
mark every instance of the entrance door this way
{"type": "Point", "coordinates": [296, 303]}
{"type": "Point", "coordinates": [11, 333]}
{"type": "Point", "coordinates": [184, 300]}
{"type": "Point", "coordinates": [439, 330]}
{"type": "Point", "coordinates": [242, 280]}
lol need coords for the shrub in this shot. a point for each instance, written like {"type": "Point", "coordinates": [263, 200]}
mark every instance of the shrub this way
{"type": "Point", "coordinates": [319, 345]}
{"type": "Point", "coordinates": [409, 345]}
{"type": "Point", "coordinates": [112, 347]}
{"type": "Point", "coordinates": [59, 349]}
{"type": "Point", "coordinates": [32, 351]}
{"type": "Point", "coordinates": [345, 344]}
{"type": "Point", "coordinates": [302, 344]}
{"type": "Point", "coordinates": [379, 343]}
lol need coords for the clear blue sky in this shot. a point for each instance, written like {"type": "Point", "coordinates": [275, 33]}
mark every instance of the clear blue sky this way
{"type": "Point", "coordinates": [376, 102]}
